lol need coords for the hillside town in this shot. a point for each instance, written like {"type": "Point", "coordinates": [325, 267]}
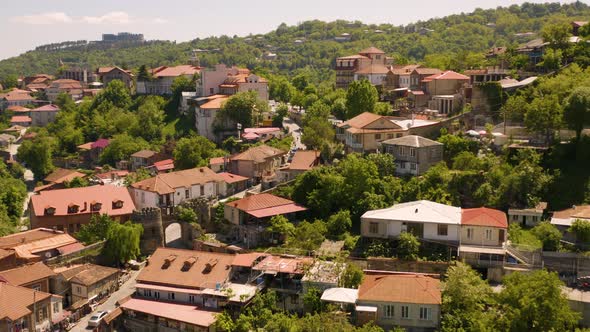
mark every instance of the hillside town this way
{"type": "Point", "coordinates": [385, 192]}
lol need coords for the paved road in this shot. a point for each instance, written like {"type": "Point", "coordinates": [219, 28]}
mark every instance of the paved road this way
{"type": "Point", "coordinates": [295, 130]}
{"type": "Point", "coordinates": [126, 289]}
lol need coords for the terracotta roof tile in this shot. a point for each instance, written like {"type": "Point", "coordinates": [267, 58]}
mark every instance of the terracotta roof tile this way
{"type": "Point", "coordinates": [373, 69]}
{"type": "Point", "coordinates": [178, 312]}
{"type": "Point", "coordinates": [361, 120]}
{"type": "Point", "coordinates": [259, 201]}
{"type": "Point", "coordinates": [46, 108]}
{"type": "Point", "coordinates": [258, 154]}
{"type": "Point", "coordinates": [447, 75]}
{"type": "Point", "coordinates": [232, 178]}
{"type": "Point", "coordinates": [167, 182]}
{"type": "Point", "coordinates": [26, 274]}
{"type": "Point", "coordinates": [305, 160]}
{"type": "Point", "coordinates": [20, 119]}
{"type": "Point", "coordinates": [93, 274]}
{"type": "Point", "coordinates": [215, 103]}
{"type": "Point", "coordinates": [175, 71]}
{"type": "Point", "coordinates": [61, 175]}
{"type": "Point", "coordinates": [83, 197]}
{"type": "Point", "coordinates": [186, 268]}
{"type": "Point", "coordinates": [248, 259]}
{"type": "Point", "coordinates": [371, 50]}
{"type": "Point", "coordinates": [144, 154]}
{"type": "Point", "coordinates": [484, 217]}
{"type": "Point", "coordinates": [15, 300]}
{"type": "Point", "coordinates": [400, 288]}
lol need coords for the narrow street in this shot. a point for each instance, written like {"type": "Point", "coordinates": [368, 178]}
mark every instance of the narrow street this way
{"type": "Point", "coordinates": [126, 289]}
{"type": "Point", "coordinates": [295, 131]}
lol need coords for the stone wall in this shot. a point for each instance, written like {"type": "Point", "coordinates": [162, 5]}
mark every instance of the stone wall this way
{"type": "Point", "coordinates": [153, 231]}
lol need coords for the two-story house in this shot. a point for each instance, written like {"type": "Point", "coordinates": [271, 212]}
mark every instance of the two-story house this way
{"type": "Point", "coordinates": [364, 132]}
{"type": "Point", "coordinates": [408, 300]}
{"type": "Point", "coordinates": [413, 154]}
{"type": "Point", "coordinates": [42, 116]}
{"type": "Point", "coordinates": [69, 209]}
{"type": "Point", "coordinates": [142, 159]}
{"type": "Point", "coordinates": [72, 87]}
{"type": "Point", "coordinates": [370, 64]}
{"type": "Point", "coordinates": [229, 81]}
{"type": "Point", "coordinates": [259, 163]}
{"type": "Point", "coordinates": [95, 281]}
{"type": "Point", "coordinates": [25, 309]}
{"type": "Point", "coordinates": [445, 91]}
{"type": "Point", "coordinates": [206, 109]}
{"type": "Point", "coordinates": [15, 97]}
{"type": "Point", "coordinates": [34, 276]}
{"type": "Point", "coordinates": [163, 77]}
{"type": "Point", "coordinates": [250, 215]}
{"type": "Point", "coordinates": [109, 74]}
{"type": "Point", "coordinates": [167, 190]}
{"type": "Point", "coordinates": [425, 219]}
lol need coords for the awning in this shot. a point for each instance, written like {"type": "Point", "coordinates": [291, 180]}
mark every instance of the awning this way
{"type": "Point", "coordinates": [366, 308]}
{"type": "Point", "coordinates": [340, 295]}
{"type": "Point", "coordinates": [401, 89]}
{"type": "Point", "coordinates": [61, 316]}
{"type": "Point", "coordinates": [482, 250]}
{"type": "Point", "coordinates": [273, 211]}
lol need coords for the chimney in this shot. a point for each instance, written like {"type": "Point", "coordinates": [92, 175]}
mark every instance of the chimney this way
{"type": "Point", "coordinates": [85, 207]}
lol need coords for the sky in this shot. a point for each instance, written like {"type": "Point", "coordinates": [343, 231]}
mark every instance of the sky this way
{"type": "Point", "coordinates": [25, 24]}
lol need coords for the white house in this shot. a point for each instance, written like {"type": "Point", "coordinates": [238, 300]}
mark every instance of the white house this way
{"type": "Point", "coordinates": [425, 219]}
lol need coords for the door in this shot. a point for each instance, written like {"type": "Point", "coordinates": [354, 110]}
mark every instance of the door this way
{"type": "Point", "coordinates": [501, 236]}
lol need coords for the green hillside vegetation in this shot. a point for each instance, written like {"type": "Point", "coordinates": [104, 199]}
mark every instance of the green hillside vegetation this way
{"type": "Point", "coordinates": [455, 41]}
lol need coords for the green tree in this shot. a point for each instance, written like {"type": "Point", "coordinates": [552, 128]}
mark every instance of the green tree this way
{"type": "Point", "coordinates": [282, 111]}
{"type": "Point", "coordinates": [308, 236]}
{"type": "Point", "coordinates": [535, 302]}
{"type": "Point", "coordinates": [150, 122]}
{"type": "Point", "coordinates": [338, 224]}
{"type": "Point", "coordinates": [383, 108]}
{"type": "Point", "coordinates": [577, 110]}
{"type": "Point", "coordinates": [193, 151]}
{"type": "Point", "coordinates": [385, 163]}
{"type": "Point", "coordinates": [312, 301]}
{"type": "Point", "coordinates": [544, 116]}
{"type": "Point", "coordinates": [360, 97]}
{"type": "Point", "coordinates": [245, 108]}
{"type": "Point", "coordinates": [581, 228]}
{"type": "Point", "coordinates": [280, 89]}
{"type": "Point", "coordinates": [116, 93]}
{"type": "Point", "coordinates": [352, 276]}
{"type": "Point", "coordinates": [120, 147]}
{"type": "Point", "coordinates": [186, 214]}
{"type": "Point", "coordinates": [282, 226]}
{"type": "Point", "coordinates": [408, 246]}
{"type": "Point", "coordinates": [552, 59]}
{"type": "Point", "coordinates": [77, 182]}
{"type": "Point", "coordinates": [37, 154]}
{"type": "Point", "coordinates": [10, 81]}
{"type": "Point", "coordinates": [549, 235]}
{"type": "Point", "coordinates": [466, 300]}
{"type": "Point", "coordinates": [143, 74]}
{"type": "Point", "coordinates": [96, 230]}
{"type": "Point", "coordinates": [123, 242]}
{"type": "Point", "coordinates": [453, 145]}
{"type": "Point", "coordinates": [557, 34]}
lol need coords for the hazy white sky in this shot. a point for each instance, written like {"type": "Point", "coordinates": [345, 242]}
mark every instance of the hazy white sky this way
{"type": "Point", "coordinates": [25, 24]}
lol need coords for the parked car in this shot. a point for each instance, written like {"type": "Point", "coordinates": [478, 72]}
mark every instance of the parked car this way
{"type": "Point", "coordinates": [96, 318]}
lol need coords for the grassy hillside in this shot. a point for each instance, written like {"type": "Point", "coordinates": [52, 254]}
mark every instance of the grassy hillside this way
{"type": "Point", "coordinates": [455, 41]}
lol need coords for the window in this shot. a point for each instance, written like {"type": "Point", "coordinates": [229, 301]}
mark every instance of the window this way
{"type": "Point", "coordinates": [405, 312]}
{"type": "Point", "coordinates": [143, 197]}
{"type": "Point", "coordinates": [402, 151]}
{"type": "Point", "coordinates": [388, 311]}
{"type": "Point", "coordinates": [191, 298]}
{"type": "Point", "coordinates": [443, 230]}
{"type": "Point", "coordinates": [412, 152]}
{"type": "Point", "coordinates": [170, 296]}
{"type": "Point", "coordinates": [203, 190]}
{"type": "Point", "coordinates": [377, 136]}
{"type": "Point", "coordinates": [373, 228]}
{"type": "Point", "coordinates": [488, 234]}
{"type": "Point", "coordinates": [55, 307]}
{"type": "Point", "coordinates": [402, 165]}
{"type": "Point", "coordinates": [147, 292]}
{"type": "Point", "coordinates": [211, 91]}
{"type": "Point", "coordinates": [413, 166]}
{"type": "Point", "coordinates": [157, 295]}
{"type": "Point", "coordinates": [41, 314]}
{"type": "Point", "coordinates": [425, 313]}
{"type": "Point", "coordinates": [535, 218]}
{"type": "Point", "coordinates": [470, 233]}
{"type": "Point", "coordinates": [399, 135]}
{"type": "Point", "coordinates": [186, 194]}
{"type": "Point", "coordinates": [78, 289]}
{"type": "Point", "coordinates": [514, 217]}
{"type": "Point", "coordinates": [389, 136]}
{"type": "Point", "coordinates": [36, 287]}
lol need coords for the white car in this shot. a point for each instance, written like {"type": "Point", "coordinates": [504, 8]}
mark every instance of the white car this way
{"type": "Point", "coordinates": [96, 318]}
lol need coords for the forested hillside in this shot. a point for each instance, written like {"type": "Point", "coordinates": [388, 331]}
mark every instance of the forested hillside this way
{"type": "Point", "coordinates": [455, 41]}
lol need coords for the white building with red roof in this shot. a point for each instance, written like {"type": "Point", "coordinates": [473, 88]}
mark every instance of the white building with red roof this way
{"type": "Point", "coordinates": [231, 80]}
{"type": "Point", "coordinates": [163, 77]}
{"type": "Point", "coordinates": [15, 97]}
{"type": "Point", "coordinates": [370, 64]}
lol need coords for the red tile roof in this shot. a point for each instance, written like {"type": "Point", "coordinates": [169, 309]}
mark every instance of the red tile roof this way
{"type": "Point", "coordinates": [371, 50]}
{"type": "Point", "coordinates": [26, 274]}
{"type": "Point", "coordinates": [84, 198]}
{"type": "Point", "coordinates": [175, 71]}
{"type": "Point", "coordinates": [361, 120]}
{"type": "Point", "coordinates": [15, 300]}
{"type": "Point", "coordinates": [46, 108]}
{"type": "Point", "coordinates": [232, 178]}
{"type": "Point", "coordinates": [167, 182]}
{"type": "Point", "coordinates": [248, 259]}
{"type": "Point", "coordinates": [179, 312]}
{"type": "Point", "coordinates": [259, 201]}
{"type": "Point", "coordinates": [447, 75]}
{"type": "Point", "coordinates": [217, 161]}
{"type": "Point", "coordinates": [164, 165]}
{"type": "Point", "coordinates": [215, 102]}
{"type": "Point", "coordinates": [305, 160]}
{"type": "Point", "coordinates": [186, 268]}
{"type": "Point", "coordinates": [258, 154]}
{"type": "Point", "coordinates": [61, 175]}
{"type": "Point", "coordinates": [20, 119]}
{"type": "Point", "coordinates": [17, 108]}
{"type": "Point", "coordinates": [17, 94]}
{"type": "Point", "coordinates": [484, 217]}
{"type": "Point", "coordinates": [400, 288]}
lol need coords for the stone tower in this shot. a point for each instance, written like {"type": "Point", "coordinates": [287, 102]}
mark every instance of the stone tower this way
{"type": "Point", "coordinates": [153, 230]}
